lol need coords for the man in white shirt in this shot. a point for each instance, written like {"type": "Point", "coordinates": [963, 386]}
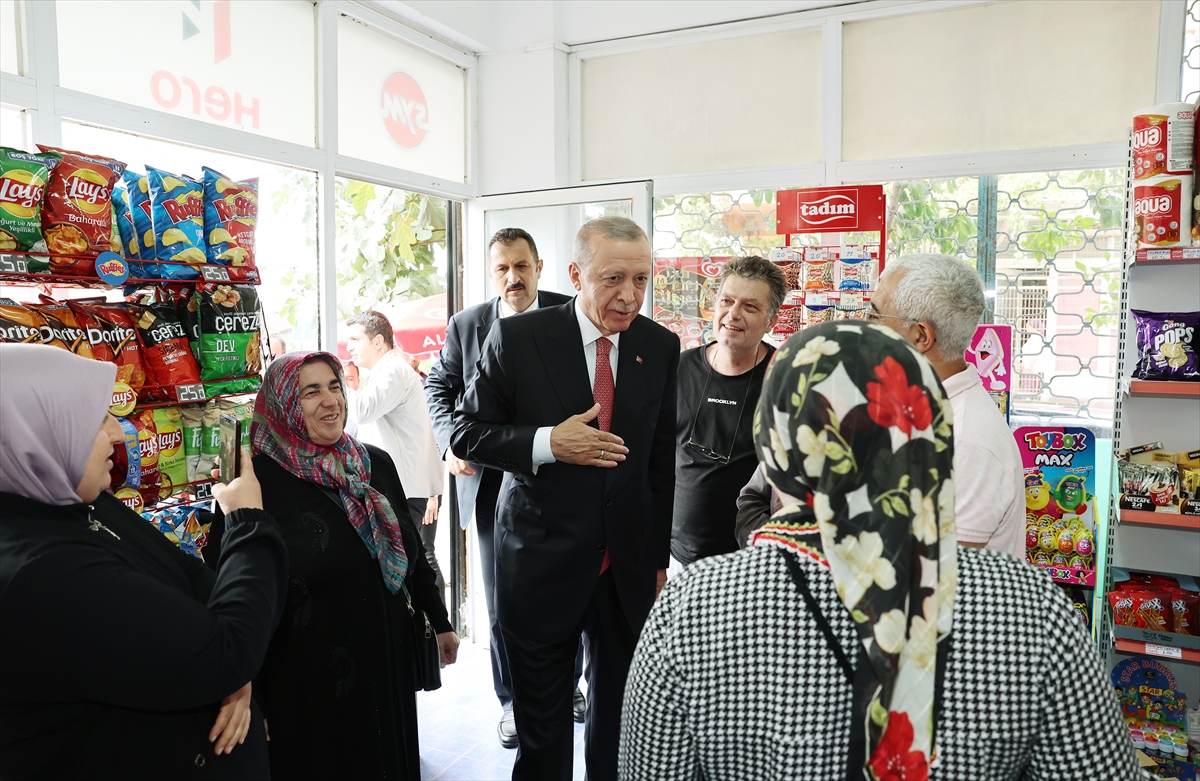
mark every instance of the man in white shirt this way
{"type": "Point", "coordinates": [935, 302]}
{"type": "Point", "coordinates": [388, 404]}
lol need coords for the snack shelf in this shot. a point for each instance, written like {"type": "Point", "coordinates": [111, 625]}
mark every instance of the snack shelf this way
{"type": "Point", "coordinates": [1127, 646]}
{"type": "Point", "coordinates": [190, 394]}
{"type": "Point", "coordinates": [1167, 255]}
{"type": "Point", "coordinates": [1164, 388]}
{"type": "Point", "coordinates": [14, 270]}
{"type": "Point", "coordinates": [1171, 520]}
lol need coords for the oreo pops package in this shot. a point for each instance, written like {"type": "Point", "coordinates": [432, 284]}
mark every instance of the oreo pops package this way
{"type": "Point", "coordinates": [1166, 346]}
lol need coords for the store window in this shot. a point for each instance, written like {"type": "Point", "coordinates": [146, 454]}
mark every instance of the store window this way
{"type": "Point", "coordinates": [1057, 276]}
{"type": "Point", "coordinates": [391, 258]}
{"type": "Point", "coordinates": [286, 232]}
{"type": "Point", "coordinates": [997, 76]}
{"type": "Point", "coordinates": [12, 128]}
{"type": "Point", "coordinates": [249, 65]}
{"type": "Point", "coordinates": [11, 50]}
{"type": "Point", "coordinates": [691, 108]}
{"type": "Point", "coordinates": [400, 106]}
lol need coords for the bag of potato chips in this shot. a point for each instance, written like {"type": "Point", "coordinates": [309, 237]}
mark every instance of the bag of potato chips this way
{"type": "Point", "coordinates": [23, 179]}
{"type": "Point", "coordinates": [77, 210]}
{"type": "Point", "coordinates": [193, 437]}
{"type": "Point", "coordinates": [137, 189]}
{"type": "Point", "coordinates": [172, 461]}
{"type": "Point", "coordinates": [230, 345]}
{"type": "Point", "coordinates": [210, 443]}
{"type": "Point", "coordinates": [113, 336]}
{"type": "Point", "coordinates": [62, 322]}
{"type": "Point", "coordinates": [165, 351]}
{"type": "Point", "coordinates": [177, 204]}
{"type": "Point", "coordinates": [230, 217]}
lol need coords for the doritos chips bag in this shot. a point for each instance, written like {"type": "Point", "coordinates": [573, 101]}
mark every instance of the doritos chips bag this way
{"type": "Point", "coordinates": [230, 217]}
{"type": "Point", "coordinates": [19, 324]}
{"type": "Point", "coordinates": [177, 203]}
{"type": "Point", "coordinates": [172, 461]}
{"type": "Point", "coordinates": [113, 336]}
{"type": "Point", "coordinates": [165, 351]}
{"type": "Point", "coordinates": [137, 188]}
{"type": "Point", "coordinates": [23, 179]}
{"type": "Point", "coordinates": [77, 211]}
{"type": "Point", "coordinates": [230, 345]}
{"type": "Point", "coordinates": [62, 322]}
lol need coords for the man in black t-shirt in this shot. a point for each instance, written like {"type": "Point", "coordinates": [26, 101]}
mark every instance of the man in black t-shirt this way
{"type": "Point", "coordinates": [718, 388]}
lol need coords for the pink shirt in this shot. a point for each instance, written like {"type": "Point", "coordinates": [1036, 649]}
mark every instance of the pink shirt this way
{"type": "Point", "coordinates": [989, 505]}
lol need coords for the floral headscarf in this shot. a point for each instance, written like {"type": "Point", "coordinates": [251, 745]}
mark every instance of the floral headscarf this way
{"type": "Point", "coordinates": [279, 431]}
{"type": "Point", "coordinates": [855, 420]}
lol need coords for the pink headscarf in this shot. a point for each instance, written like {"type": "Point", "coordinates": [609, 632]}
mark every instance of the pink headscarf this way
{"type": "Point", "coordinates": [52, 405]}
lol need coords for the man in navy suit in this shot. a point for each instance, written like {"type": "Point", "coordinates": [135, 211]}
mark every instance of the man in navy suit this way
{"type": "Point", "coordinates": [577, 404]}
{"type": "Point", "coordinates": [515, 268]}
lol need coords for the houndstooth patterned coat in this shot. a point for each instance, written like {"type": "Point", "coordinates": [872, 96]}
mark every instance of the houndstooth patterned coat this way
{"type": "Point", "coordinates": [732, 679]}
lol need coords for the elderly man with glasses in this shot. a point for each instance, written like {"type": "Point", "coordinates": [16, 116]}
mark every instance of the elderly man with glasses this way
{"type": "Point", "coordinates": [935, 302]}
{"type": "Point", "coordinates": [719, 384]}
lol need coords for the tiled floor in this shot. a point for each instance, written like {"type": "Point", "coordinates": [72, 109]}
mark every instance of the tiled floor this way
{"type": "Point", "coordinates": [458, 725]}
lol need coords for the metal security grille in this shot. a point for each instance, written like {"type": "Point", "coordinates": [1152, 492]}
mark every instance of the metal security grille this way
{"type": "Point", "coordinates": [1190, 84]}
{"type": "Point", "coordinates": [1053, 262]}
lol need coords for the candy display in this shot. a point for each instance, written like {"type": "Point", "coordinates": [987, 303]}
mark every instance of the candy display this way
{"type": "Point", "coordinates": [1165, 345]}
{"type": "Point", "coordinates": [23, 179]}
{"type": "Point", "coordinates": [77, 208]}
{"type": "Point", "coordinates": [1156, 715]}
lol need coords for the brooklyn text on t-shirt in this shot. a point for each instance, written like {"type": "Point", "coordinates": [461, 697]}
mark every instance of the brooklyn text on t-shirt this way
{"type": "Point", "coordinates": [711, 400]}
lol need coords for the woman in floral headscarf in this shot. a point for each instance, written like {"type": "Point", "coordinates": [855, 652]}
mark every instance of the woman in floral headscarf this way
{"type": "Point", "coordinates": [337, 686]}
{"type": "Point", "coordinates": [854, 639]}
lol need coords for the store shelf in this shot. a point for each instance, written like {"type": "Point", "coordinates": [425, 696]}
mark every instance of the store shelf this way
{"type": "Point", "coordinates": [1170, 520]}
{"type": "Point", "coordinates": [1164, 388]}
{"type": "Point", "coordinates": [1125, 646]}
{"type": "Point", "coordinates": [1174, 254]}
{"type": "Point", "coordinates": [14, 271]}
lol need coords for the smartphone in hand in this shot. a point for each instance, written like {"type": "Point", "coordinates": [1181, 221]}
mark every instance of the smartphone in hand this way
{"type": "Point", "coordinates": [231, 447]}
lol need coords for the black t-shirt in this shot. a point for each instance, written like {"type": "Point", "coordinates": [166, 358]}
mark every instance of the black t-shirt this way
{"type": "Point", "coordinates": [717, 412]}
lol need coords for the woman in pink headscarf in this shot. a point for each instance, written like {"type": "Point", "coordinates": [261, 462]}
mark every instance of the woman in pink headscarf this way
{"type": "Point", "coordinates": [123, 656]}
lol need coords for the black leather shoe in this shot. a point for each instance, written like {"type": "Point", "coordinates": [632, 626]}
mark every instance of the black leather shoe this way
{"type": "Point", "coordinates": [507, 730]}
{"type": "Point", "coordinates": [578, 705]}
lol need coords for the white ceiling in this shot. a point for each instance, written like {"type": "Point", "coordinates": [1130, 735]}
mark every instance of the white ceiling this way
{"type": "Point", "coordinates": [511, 25]}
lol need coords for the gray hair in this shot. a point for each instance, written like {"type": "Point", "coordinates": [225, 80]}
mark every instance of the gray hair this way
{"type": "Point", "coordinates": [759, 269]}
{"type": "Point", "coordinates": [615, 228]}
{"type": "Point", "coordinates": [941, 290]}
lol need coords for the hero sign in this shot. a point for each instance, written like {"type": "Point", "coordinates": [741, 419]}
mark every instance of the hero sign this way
{"type": "Point", "coordinates": [404, 111]}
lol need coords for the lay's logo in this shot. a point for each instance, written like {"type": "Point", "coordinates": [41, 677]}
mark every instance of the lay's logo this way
{"type": "Point", "coordinates": [89, 191]}
{"type": "Point", "coordinates": [170, 439]}
{"type": "Point", "coordinates": [20, 193]}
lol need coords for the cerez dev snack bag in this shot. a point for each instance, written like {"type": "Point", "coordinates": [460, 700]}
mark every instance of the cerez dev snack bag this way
{"type": "Point", "coordinates": [23, 179]}
{"type": "Point", "coordinates": [177, 203]}
{"type": "Point", "coordinates": [230, 217]}
{"type": "Point", "coordinates": [77, 211]}
{"type": "Point", "coordinates": [230, 345]}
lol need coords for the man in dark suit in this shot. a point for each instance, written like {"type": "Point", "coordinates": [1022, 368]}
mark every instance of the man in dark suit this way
{"type": "Point", "coordinates": [577, 404]}
{"type": "Point", "coordinates": [515, 268]}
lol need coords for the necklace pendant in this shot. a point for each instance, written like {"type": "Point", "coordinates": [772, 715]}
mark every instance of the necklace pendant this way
{"type": "Point", "coordinates": [96, 526]}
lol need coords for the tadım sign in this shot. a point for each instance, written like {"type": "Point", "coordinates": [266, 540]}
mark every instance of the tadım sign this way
{"type": "Point", "coordinates": [833, 210]}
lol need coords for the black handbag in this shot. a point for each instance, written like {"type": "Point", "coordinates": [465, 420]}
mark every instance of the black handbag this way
{"type": "Point", "coordinates": [427, 657]}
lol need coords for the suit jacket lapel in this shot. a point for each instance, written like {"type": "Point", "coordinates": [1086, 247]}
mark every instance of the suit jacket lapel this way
{"type": "Point", "coordinates": [490, 316]}
{"type": "Point", "coordinates": [630, 390]}
{"type": "Point", "coordinates": [561, 349]}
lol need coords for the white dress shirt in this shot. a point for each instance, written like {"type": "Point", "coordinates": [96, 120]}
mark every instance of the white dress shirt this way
{"type": "Point", "coordinates": [989, 487]}
{"type": "Point", "coordinates": [542, 453]}
{"type": "Point", "coordinates": [508, 311]}
{"type": "Point", "coordinates": [389, 407]}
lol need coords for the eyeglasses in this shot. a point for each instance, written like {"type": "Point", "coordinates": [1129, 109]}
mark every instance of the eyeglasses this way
{"type": "Point", "coordinates": [705, 450]}
{"type": "Point", "coordinates": [874, 316]}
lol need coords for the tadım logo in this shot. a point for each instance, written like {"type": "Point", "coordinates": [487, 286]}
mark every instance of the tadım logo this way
{"type": "Point", "coordinates": [827, 209]}
{"type": "Point", "coordinates": [404, 111]}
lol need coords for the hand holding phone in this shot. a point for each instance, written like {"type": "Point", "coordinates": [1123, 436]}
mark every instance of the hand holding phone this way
{"type": "Point", "coordinates": [244, 493]}
{"type": "Point", "coordinates": [231, 447]}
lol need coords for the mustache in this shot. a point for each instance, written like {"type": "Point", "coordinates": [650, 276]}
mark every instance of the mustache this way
{"type": "Point", "coordinates": [515, 287]}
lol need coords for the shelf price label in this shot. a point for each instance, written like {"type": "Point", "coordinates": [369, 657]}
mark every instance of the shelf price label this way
{"type": "Point", "coordinates": [187, 394]}
{"type": "Point", "coordinates": [203, 491]}
{"type": "Point", "coordinates": [1167, 651]}
{"type": "Point", "coordinates": [13, 264]}
{"type": "Point", "coordinates": [214, 273]}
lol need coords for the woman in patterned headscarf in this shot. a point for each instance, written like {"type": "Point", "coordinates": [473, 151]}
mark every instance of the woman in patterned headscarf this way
{"type": "Point", "coordinates": [854, 639]}
{"type": "Point", "coordinates": [337, 686]}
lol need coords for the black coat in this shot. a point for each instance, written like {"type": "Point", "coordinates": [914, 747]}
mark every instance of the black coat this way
{"type": "Point", "coordinates": [532, 374]}
{"type": "Point", "coordinates": [115, 653]}
{"type": "Point", "coordinates": [337, 683]}
{"type": "Point", "coordinates": [456, 369]}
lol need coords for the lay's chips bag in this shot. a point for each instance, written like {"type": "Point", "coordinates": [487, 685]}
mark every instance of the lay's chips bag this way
{"type": "Point", "coordinates": [177, 203]}
{"type": "Point", "coordinates": [137, 190]}
{"type": "Point", "coordinates": [230, 217]}
{"type": "Point", "coordinates": [77, 209]}
{"type": "Point", "coordinates": [23, 179]}
{"type": "Point", "coordinates": [172, 460]}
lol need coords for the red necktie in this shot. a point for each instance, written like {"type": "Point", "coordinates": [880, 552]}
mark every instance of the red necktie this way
{"type": "Point", "coordinates": [603, 391]}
